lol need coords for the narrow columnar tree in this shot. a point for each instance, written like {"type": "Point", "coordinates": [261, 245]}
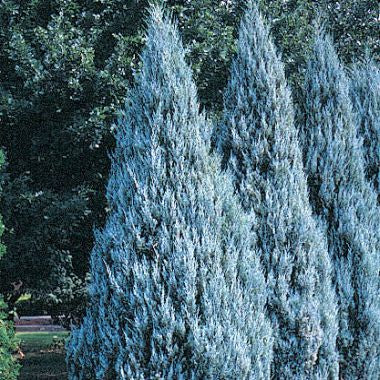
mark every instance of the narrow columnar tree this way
{"type": "Point", "coordinates": [8, 366]}
{"type": "Point", "coordinates": [177, 291]}
{"type": "Point", "coordinates": [347, 203]}
{"type": "Point", "coordinates": [365, 95]}
{"type": "Point", "coordinates": [259, 142]}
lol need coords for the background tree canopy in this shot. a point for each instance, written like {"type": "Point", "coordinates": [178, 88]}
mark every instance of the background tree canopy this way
{"type": "Point", "coordinates": [65, 68]}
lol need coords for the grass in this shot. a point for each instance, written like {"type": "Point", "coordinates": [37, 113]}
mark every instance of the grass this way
{"type": "Point", "coordinates": [44, 356]}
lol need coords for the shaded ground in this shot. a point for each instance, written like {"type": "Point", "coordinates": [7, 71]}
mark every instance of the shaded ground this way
{"type": "Point", "coordinates": [44, 355]}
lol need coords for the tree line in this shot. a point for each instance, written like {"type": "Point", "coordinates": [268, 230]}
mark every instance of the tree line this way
{"type": "Point", "coordinates": [250, 251]}
{"type": "Point", "coordinates": [66, 71]}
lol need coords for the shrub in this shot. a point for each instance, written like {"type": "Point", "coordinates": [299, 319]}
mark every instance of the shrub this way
{"type": "Point", "coordinates": [8, 366]}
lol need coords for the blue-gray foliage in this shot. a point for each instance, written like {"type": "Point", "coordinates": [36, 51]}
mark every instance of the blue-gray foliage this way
{"type": "Point", "coordinates": [259, 143]}
{"type": "Point", "coordinates": [347, 203]}
{"type": "Point", "coordinates": [177, 290]}
{"type": "Point", "coordinates": [365, 95]}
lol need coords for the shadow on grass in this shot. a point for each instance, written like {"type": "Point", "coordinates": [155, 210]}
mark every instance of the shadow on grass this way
{"type": "Point", "coordinates": [44, 356]}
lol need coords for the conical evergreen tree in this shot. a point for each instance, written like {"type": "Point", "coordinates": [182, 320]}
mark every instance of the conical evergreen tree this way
{"type": "Point", "coordinates": [346, 202]}
{"type": "Point", "coordinates": [260, 145]}
{"type": "Point", "coordinates": [365, 95]}
{"type": "Point", "coordinates": [177, 290]}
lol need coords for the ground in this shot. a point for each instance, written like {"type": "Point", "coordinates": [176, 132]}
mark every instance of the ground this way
{"type": "Point", "coordinates": [44, 355]}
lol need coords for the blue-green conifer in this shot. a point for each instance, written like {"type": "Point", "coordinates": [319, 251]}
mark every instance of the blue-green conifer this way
{"type": "Point", "coordinates": [365, 95]}
{"type": "Point", "coordinates": [177, 290]}
{"type": "Point", "coordinates": [259, 143]}
{"type": "Point", "coordinates": [347, 203]}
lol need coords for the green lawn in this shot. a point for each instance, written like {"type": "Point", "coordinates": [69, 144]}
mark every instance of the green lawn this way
{"type": "Point", "coordinates": [44, 356]}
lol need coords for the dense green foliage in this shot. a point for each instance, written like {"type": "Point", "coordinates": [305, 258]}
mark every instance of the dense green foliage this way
{"type": "Point", "coordinates": [354, 25]}
{"type": "Point", "coordinates": [347, 203]}
{"type": "Point", "coordinates": [8, 366]}
{"type": "Point", "coordinates": [258, 140]}
{"type": "Point", "coordinates": [177, 290]}
{"type": "Point", "coordinates": [47, 98]}
{"type": "Point", "coordinates": [291, 25]}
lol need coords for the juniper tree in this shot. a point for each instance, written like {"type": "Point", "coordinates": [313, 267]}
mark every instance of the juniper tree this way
{"type": "Point", "coordinates": [259, 143]}
{"type": "Point", "coordinates": [365, 95]}
{"type": "Point", "coordinates": [346, 202]}
{"type": "Point", "coordinates": [177, 290]}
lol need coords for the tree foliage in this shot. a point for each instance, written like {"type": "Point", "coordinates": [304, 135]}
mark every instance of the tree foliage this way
{"type": "Point", "coordinates": [347, 203]}
{"type": "Point", "coordinates": [291, 26]}
{"type": "Point", "coordinates": [354, 25]}
{"type": "Point", "coordinates": [260, 147]}
{"type": "Point", "coordinates": [65, 67]}
{"type": "Point", "coordinates": [365, 95]}
{"type": "Point", "coordinates": [177, 290]}
{"type": "Point", "coordinates": [51, 109]}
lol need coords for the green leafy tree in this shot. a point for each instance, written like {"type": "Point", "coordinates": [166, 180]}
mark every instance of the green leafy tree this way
{"type": "Point", "coordinates": [347, 203]}
{"type": "Point", "coordinates": [8, 366]}
{"type": "Point", "coordinates": [49, 196]}
{"type": "Point", "coordinates": [354, 25]}
{"type": "Point", "coordinates": [208, 28]}
{"type": "Point", "coordinates": [260, 146]}
{"type": "Point", "coordinates": [177, 289]}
